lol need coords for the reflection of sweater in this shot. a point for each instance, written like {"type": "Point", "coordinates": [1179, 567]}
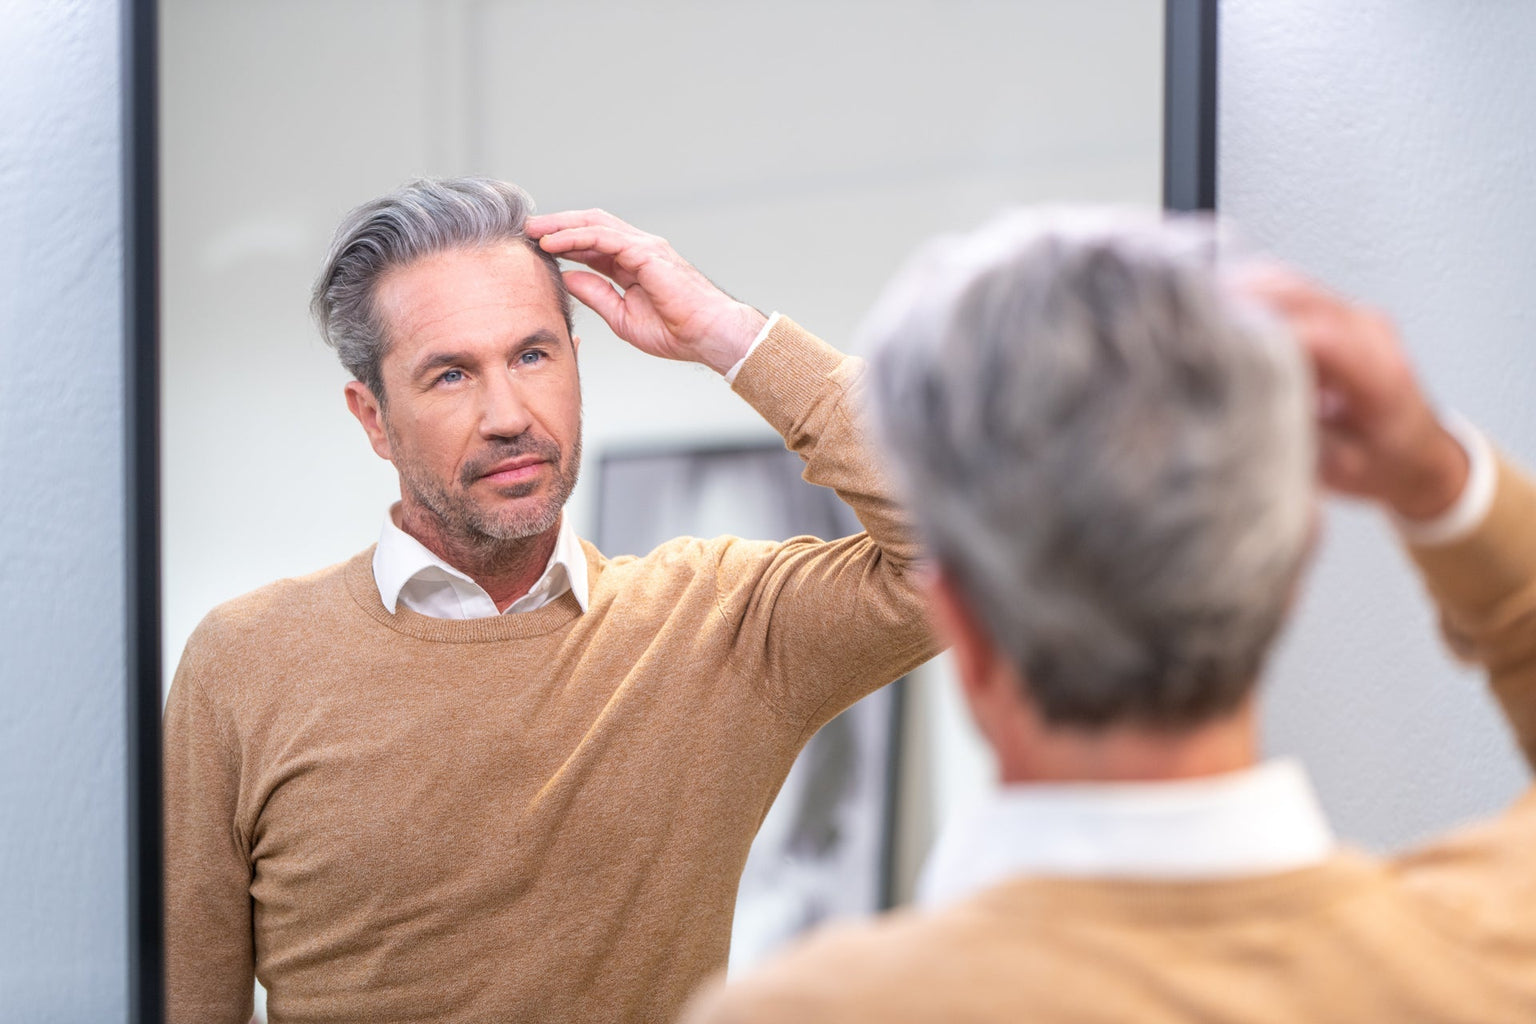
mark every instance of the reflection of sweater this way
{"type": "Point", "coordinates": [532, 817]}
{"type": "Point", "coordinates": [1447, 933]}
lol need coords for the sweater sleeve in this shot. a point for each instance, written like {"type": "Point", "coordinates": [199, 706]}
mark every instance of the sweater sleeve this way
{"type": "Point", "coordinates": [819, 624]}
{"type": "Point", "coordinates": [1485, 586]}
{"type": "Point", "coordinates": [208, 930]}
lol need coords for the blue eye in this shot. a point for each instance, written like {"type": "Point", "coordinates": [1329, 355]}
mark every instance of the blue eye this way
{"type": "Point", "coordinates": [452, 376]}
{"type": "Point", "coordinates": [530, 357]}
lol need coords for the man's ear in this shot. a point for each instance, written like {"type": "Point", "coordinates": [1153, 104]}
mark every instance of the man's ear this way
{"type": "Point", "coordinates": [575, 344]}
{"type": "Point", "coordinates": [976, 657]}
{"type": "Point", "coordinates": [366, 408]}
{"type": "Point", "coordinates": [988, 678]}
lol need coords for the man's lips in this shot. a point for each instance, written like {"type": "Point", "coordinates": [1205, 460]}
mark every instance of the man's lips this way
{"type": "Point", "coordinates": [514, 470]}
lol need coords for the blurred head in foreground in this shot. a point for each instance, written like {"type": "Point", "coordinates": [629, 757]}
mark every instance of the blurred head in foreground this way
{"type": "Point", "coordinates": [1110, 456]}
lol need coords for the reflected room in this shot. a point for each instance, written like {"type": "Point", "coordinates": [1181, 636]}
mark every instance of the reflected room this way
{"type": "Point", "coordinates": [796, 153]}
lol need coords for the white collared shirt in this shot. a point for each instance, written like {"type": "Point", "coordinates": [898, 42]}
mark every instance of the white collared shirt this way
{"type": "Point", "coordinates": [1261, 820]}
{"type": "Point", "coordinates": [406, 572]}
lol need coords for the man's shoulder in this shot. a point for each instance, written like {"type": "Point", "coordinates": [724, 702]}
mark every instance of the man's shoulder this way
{"type": "Point", "coordinates": [1481, 876]}
{"type": "Point", "coordinates": [277, 608]}
{"type": "Point", "coordinates": [679, 557]}
{"type": "Point", "coordinates": [889, 968]}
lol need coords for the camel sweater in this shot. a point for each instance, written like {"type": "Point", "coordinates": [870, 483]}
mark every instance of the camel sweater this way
{"type": "Point", "coordinates": [1446, 933]}
{"type": "Point", "coordinates": [533, 817]}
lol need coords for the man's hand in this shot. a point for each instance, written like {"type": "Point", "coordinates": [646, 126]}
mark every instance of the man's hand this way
{"type": "Point", "coordinates": [663, 306]}
{"type": "Point", "coordinates": [1379, 437]}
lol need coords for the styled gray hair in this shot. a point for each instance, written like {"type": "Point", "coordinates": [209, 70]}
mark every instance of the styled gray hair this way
{"type": "Point", "coordinates": [1109, 452]}
{"type": "Point", "coordinates": [419, 219]}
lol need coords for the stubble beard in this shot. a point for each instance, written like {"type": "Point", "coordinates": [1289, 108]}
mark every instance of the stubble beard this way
{"type": "Point", "coordinates": [494, 533]}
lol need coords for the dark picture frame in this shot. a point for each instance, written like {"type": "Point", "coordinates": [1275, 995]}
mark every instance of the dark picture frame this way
{"type": "Point", "coordinates": [1189, 183]}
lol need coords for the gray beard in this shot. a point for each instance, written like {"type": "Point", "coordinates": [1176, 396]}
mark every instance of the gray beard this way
{"type": "Point", "coordinates": [462, 523]}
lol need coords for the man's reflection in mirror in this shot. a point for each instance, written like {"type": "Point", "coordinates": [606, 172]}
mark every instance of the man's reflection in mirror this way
{"type": "Point", "coordinates": [480, 771]}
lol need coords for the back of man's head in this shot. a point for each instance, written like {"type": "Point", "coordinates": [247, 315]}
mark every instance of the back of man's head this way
{"type": "Point", "coordinates": [419, 219]}
{"type": "Point", "coordinates": [1109, 455]}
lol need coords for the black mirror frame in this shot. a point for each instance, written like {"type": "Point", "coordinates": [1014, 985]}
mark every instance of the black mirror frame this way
{"type": "Point", "coordinates": [1189, 105]}
{"type": "Point", "coordinates": [1189, 183]}
{"type": "Point", "coordinates": [141, 434]}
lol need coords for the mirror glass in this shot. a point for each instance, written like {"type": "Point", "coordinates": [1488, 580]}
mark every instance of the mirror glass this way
{"type": "Point", "coordinates": [794, 151]}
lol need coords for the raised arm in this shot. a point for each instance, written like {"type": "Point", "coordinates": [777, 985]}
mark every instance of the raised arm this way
{"type": "Point", "coordinates": [1468, 516]}
{"type": "Point", "coordinates": [818, 624]}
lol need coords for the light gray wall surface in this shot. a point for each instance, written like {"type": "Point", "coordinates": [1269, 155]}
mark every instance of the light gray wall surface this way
{"type": "Point", "coordinates": [1386, 146]}
{"type": "Point", "coordinates": [63, 925]}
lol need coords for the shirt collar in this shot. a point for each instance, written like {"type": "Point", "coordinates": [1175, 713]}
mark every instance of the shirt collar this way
{"type": "Point", "coordinates": [1261, 820]}
{"type": "Point", "coordinates": [405, 570]}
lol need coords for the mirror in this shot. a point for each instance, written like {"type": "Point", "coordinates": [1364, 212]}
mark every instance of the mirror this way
{"type": "Point", "coordinates": [795, 152]}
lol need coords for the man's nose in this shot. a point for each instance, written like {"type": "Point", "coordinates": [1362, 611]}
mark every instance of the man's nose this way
{"type": "Point", "coordinates": [504, 413]}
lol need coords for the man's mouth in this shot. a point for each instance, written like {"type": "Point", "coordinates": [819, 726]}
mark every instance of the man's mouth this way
{"type": "Point", "coordinates": [514, 471]}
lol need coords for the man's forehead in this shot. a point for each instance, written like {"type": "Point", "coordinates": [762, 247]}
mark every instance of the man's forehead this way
{"type": "Point", "coordinates": [464, 285]}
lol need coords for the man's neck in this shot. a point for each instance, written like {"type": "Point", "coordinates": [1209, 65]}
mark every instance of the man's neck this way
{"type": "Point", "coordinates": [504, 569]}
{"type": "Point", "coordinates": [1135, 754]}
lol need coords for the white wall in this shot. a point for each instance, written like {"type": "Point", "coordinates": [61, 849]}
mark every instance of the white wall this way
{"type": "Point", "coordinates": [63, 831]}
{"type": "Point", "coordinates": [796, 151]}
{"type": "Point", "coordinates": [1387, 146]}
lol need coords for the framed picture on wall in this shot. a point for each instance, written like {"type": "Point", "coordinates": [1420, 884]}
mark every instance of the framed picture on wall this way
{"type": "Point", "coordinates": [824, 849]}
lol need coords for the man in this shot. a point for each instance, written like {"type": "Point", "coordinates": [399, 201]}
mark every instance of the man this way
{"type": "Point", "coordinates": [1109, 452]}
{"type": "Point", "coordinates": [480, 771]}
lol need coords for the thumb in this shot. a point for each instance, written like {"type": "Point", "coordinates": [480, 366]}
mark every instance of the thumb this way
{"type": "Point", "coordinates": [597, 294]}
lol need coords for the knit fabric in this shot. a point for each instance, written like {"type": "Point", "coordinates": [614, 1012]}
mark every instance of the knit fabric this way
{"type": "Point", "coordinates": [532, 817]}
{"type": "Point", "coordinates": [1446, 933]}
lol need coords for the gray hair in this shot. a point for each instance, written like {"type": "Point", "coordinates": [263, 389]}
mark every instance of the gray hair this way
{"type": "Point", "coordinates": [1109, 452]}
{"type": "Point", "coordinates": [419, 219]}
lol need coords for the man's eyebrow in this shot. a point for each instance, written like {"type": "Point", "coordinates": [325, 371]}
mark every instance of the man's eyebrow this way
{"type": "Point", "coordinates": [542, 336]}
{"type": "Point", "coordinates": [438, 360]}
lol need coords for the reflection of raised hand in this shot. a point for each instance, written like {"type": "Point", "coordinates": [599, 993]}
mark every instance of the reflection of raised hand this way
{"type": "Point", "coordinates": [662, 306]}
{"type": "Point", "coordinates": [1379, 438]}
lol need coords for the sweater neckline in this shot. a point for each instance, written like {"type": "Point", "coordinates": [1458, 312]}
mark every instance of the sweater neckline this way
{"type": "Point", "coordinates": [558, 614]}
{"type": "Point", "coordinates": [1343, 875]}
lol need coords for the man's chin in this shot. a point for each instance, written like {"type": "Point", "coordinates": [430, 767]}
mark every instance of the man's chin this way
{"type": "Point", "coordinates": [509, 524]}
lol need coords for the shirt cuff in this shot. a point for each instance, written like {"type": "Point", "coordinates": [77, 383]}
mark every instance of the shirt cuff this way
{"type": "Point", "coordinates": [730, 375]}
{"type": "Point", "coordinates": [1471, 507]}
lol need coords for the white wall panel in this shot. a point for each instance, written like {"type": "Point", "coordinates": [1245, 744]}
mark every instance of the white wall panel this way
{"type": "Point", "coordinates": [1387, 147]}
{"type": "Point", "coordinates": [63, 796]}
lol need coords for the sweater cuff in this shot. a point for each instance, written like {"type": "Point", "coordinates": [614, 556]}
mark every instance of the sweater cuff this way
{"type": "Point", "coordinates": [730, 375]}
{"type": "Point", "coordinates": [1472, 577]}
{"type": "Point", "coordinates": [785, 373]}
{"type": "Point", "coordinates": [1469, 510]}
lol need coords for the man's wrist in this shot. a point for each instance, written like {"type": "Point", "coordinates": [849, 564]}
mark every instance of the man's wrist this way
{"type": "Point", "coordinates": [730, 374]}
{"type": "Point", "coordinates": [1458, 480]}
{"type": "Point", "coordinates": [1434, 480]}
{"type": "Point", "coordinates": [734, 339]}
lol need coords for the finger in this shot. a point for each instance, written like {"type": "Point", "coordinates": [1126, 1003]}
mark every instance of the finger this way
{"type": "Point", "coordinates": [1259, 274]}
{"type": "Point", "coordinates": [1282, 289]}
{"type": "Point", "coordinates": [625, 244]}
{"type": "Point", "coordinates": [1356, 354]}
{"type": "Point", "coordinates": [1342, 464]}
{"type": "Point", "coordinates": [592, 259]}
{"type": "Point", "coordinates": [542, 224]}
{"type": "Point", "coordinates": [598, 295]}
